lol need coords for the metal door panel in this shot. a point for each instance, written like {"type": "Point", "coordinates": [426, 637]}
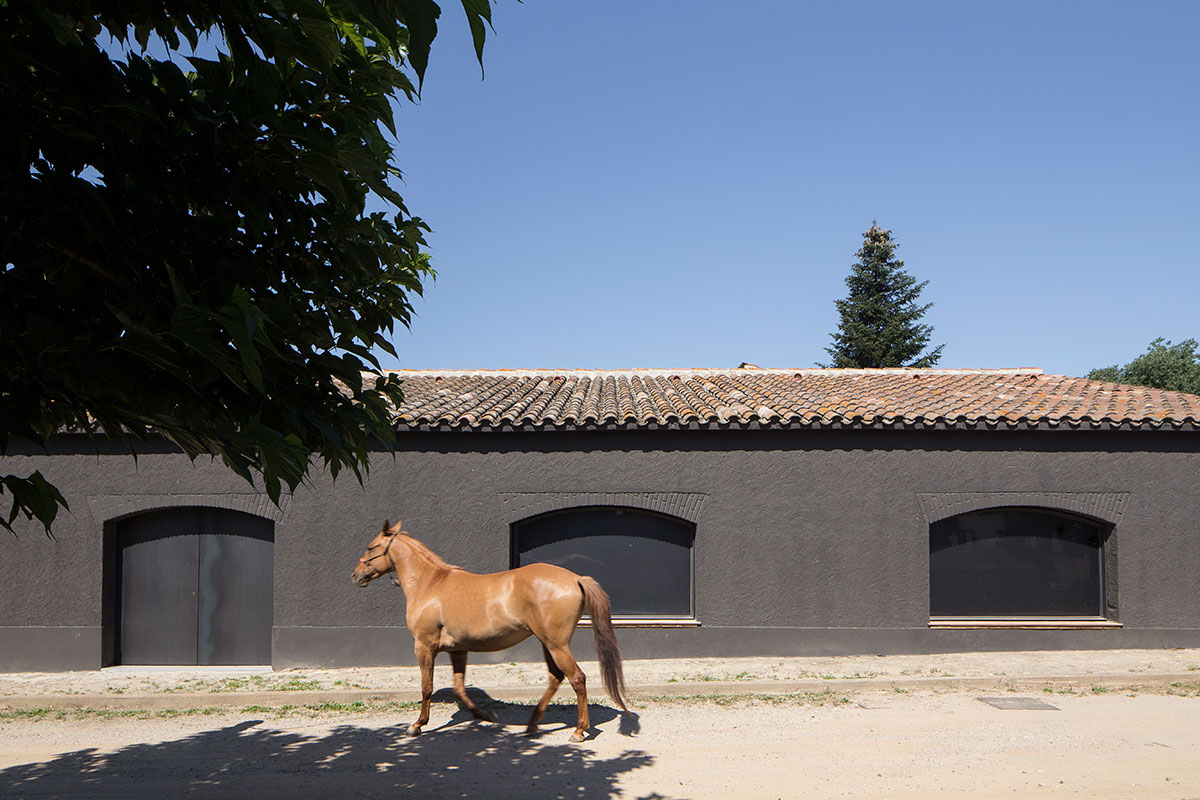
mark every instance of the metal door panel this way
{"type": "Point", "coordinates": [157, 569]}
{"type": "Point", "coordinates": [236, 590]}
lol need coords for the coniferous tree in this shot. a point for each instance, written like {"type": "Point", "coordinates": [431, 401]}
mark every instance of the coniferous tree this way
{"type": "Point", "coordinates": [880, 318]}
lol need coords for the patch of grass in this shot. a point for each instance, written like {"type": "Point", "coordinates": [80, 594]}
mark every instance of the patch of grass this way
{"type": "Point", "coordinates": [1193, 667]}
{"type": "Point", "coordinates": [297, 683]}
{"type": "Point", "coordinates": [710, 678]}
{"type": "Point", "coordinates": [183, 686]}
{"type": "Point", "coordinates": [285, 710]}
{"type": "Point", "coordinates": [340, 708]}
{"type": "Point", "coordinates": [169, 713]}
{"type": "Point", "coordinates": [25, 714]}
{"type": "Point", "coordinates": [133, 713]}
{"type": "Point", "coordinates": [1100, 690]}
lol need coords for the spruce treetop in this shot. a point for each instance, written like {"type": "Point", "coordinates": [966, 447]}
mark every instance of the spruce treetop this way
{"type": "Point", "coordinates": [880, 317]}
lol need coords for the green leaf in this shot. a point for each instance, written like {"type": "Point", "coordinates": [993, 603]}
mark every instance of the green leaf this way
{"type": "Point", "coordinates": [322, 36]}
{"type": "Point", "coordinates": [420, 18]}
{"type": "Point", "coordinates": [324, 173]}
{"type": "Point", "coordinates": [241, 327]}
{"type": "Point", "coordinates": [478, 12]}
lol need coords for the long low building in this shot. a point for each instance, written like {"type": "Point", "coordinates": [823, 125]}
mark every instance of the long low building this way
{"type": "Point", "coordinates": [728, 512]}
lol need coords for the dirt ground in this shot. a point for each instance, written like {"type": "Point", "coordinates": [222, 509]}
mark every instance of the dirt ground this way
{"type": "Point", "coordinates": [872, 744]}
{"type": "Point", "coordinates": [1117, 724]}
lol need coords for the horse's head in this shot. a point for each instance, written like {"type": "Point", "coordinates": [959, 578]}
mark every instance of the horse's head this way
{"type": "Point", "coordinates": [377, 560]}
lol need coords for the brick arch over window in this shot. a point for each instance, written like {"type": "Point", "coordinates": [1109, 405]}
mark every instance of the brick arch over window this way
{"type": "Point", "coordinates": [518, 506]}
{"type": "Point", "coordinates": [1106, 507]}
{"type": "Point", "coordinates": [110, 508]}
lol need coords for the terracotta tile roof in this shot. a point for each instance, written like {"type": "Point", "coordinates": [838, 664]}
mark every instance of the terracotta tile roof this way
{"type": "Point", "coordinates": [754, 397]}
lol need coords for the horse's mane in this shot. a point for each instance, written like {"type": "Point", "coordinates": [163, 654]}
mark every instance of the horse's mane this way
{"type": "Point", "coordinates": [421, 550]}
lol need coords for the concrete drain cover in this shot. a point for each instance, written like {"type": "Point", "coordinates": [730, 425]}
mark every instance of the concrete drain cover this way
{"type": "Point", "coordinates": [1017, 703]}
{"type": "Point", "coordinates": [871, 704]}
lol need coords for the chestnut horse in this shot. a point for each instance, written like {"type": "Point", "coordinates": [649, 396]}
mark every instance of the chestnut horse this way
{"type": "Point", "coordinates": [455, 611]}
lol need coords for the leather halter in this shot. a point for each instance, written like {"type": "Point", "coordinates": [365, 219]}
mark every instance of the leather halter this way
{"type": "Point", "coordinates": [387, 551]}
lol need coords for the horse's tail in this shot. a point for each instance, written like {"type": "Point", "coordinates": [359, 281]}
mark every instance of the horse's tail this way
{"type": "Point", "coordinates": [600, 607]}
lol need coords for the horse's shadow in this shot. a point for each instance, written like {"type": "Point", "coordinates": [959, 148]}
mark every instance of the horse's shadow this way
{"type": "Point", "coordinates": [558, 715]}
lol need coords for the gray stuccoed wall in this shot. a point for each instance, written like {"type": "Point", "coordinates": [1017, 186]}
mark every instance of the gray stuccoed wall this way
{"type": "Point", "coordinates": [807, 542]}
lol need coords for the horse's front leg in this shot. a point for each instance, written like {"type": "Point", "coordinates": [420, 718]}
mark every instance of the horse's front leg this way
{"type": "Point", "coordinates": [458, 661]}
{"type": "Point", "coordinates": [425, 655]}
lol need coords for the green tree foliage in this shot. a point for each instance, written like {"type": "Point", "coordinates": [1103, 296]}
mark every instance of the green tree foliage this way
{"type": "Point", "coordinates": [1175, 367]}
{"type": "Point", "coordinates": [880, 318]}
{"type": "Point", "coordinates": [185, 241]}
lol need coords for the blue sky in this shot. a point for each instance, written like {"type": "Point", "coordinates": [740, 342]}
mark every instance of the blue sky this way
{"type": "Point", "coordinates": [669, 184]}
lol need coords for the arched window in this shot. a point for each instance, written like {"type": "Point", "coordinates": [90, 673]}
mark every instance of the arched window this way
{"type": "Point", "coordinates": [1016, 562]}
{"type": "Point", "coordinates": [642, 559]}
{"type": "Point", "coordinates": [194, 585]}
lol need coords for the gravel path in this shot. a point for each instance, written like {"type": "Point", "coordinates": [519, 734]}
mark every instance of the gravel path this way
{"type": "Point", "coordinates": [1113, 668]}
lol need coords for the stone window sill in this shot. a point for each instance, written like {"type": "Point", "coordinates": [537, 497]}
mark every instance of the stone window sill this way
{"type": "Point", "coordinates": [647, 622]}
{"type": "Point", "coordinates": [1029, 623]}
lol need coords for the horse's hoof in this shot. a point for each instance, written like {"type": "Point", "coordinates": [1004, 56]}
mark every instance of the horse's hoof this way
{"type": "Point", "coordinates": [531, 730]}
{"type": "Point", "coordinates": [413, 730]}
{"type": "Point", "coordinates": [577, 736]}
{"type": "Point", "coordinates": [491, 716]}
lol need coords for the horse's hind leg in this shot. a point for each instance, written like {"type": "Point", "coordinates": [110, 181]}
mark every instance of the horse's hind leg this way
{"type": "Point", "coordinates": [556, 679]}
{"type": "Point", "coordinates": [459, 663]}
{"type": "Point", "coordinates": [566, 663]}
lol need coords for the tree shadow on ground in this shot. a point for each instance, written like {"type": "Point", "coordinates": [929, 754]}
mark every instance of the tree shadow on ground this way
{"type": "Point", "coordinates": [260, 759]}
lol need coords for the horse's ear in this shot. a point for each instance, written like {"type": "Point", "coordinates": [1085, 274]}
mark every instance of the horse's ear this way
{"type": "Point", "coordinates": [393, 530]}
{"type": "Point", "coordinates": [386, 526]}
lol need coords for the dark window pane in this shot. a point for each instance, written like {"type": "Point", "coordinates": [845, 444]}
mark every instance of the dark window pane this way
{"type": "Point", "coordinates": [1014, 562]}
{"type": "Point", "coordinates": [643, 561]}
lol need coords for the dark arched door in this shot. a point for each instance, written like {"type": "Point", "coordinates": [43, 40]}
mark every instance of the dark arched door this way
{"type": "Point", "coordinates": [195, 586]}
